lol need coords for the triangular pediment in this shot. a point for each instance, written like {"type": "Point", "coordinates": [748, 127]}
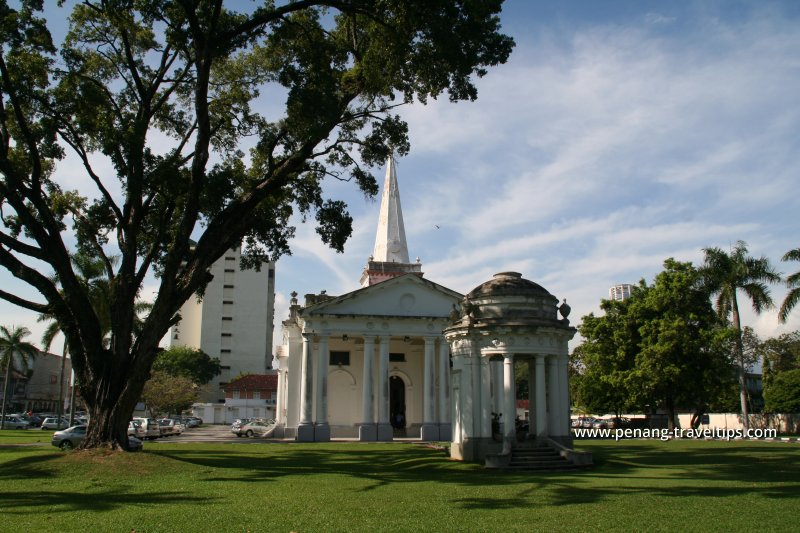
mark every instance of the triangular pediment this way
{"type": "Point", "coordinates": [408, 296]}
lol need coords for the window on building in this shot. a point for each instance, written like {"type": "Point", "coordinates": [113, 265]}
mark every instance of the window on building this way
{"type": "Point", "coordinates": [397, 358]}
{"type": "Point", "coordinates": [340, 358]}
{"type": "Point", "coordinates": [236, 395]}
{"type": "Point", "coordinates": [256, 394]}
{"type": "Point", "coordinates": [225, 350]}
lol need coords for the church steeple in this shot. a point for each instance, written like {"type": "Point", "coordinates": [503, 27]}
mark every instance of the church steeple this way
{"type": "Point", "coordinates": [390, 240]}
{"type": "Point", "coordinates": [390, 255]}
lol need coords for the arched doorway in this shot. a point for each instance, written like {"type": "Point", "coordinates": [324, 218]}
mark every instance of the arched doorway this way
{"type": "Point", "coordinates": [397, 405]}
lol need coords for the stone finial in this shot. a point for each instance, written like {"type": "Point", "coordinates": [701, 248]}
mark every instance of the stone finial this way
{"type": "Point", "coordinates": [564, 309]}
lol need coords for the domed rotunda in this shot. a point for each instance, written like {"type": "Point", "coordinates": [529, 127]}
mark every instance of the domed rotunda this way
{"type": "Point", "coordinates": [505, 321]}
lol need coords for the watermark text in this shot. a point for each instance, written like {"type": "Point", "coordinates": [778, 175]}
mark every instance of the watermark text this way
{"type": "Point", "coordinates": [677, 433]}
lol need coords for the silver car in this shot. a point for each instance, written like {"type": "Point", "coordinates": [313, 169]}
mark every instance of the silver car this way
{"type": "Point", "coordinates": [69, 438]}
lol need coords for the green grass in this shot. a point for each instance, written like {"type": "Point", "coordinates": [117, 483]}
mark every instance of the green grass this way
{"type": "Point", "coordinates": [25, 436]}
{"type": "Point", "coordinates": [636, 485]}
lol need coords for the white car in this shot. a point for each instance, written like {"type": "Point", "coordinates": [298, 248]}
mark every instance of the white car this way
{"type": "Point", "coordinates": [55, 423]}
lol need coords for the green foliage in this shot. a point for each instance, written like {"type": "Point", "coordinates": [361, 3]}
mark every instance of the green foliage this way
{"type": "Point", "coordinates": [780, 354]}
{"type": "Point", "coordinates": [662, 347]}
{"type": "Point", "coordinates": [131, 72]}
{"type": "Point", "coordinates": [724, 275]}
{"type": "Point", "coordinates": [165, 394]}
{"type": "Point", "coordinates": [793, 283]}
{"type": "Point", "coordinates": [783, 394]}
{"type": "Point", "coordinates": [191, 363]}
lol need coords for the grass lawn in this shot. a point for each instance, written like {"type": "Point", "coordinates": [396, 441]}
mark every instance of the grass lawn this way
{"type": "Point", "coordinates": [636, 485]}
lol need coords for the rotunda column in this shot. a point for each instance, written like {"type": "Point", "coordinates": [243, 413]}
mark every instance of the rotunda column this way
{"type": "Point", "coordinates": [553, 395]}
{"type": "Point", "coordinates": [541, 398]}
{"type": "Point", "coordinates": [509, 403]}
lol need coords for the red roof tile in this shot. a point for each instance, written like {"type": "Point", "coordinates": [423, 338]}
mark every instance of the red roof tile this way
{"type": "Point", "coordinates": [264, 382]}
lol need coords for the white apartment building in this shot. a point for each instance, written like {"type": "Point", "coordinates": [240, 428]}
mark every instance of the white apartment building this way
{"type": "Point", "coordinates": [620, 291]}
{"type": "Point", "coordinates": [232, 321]}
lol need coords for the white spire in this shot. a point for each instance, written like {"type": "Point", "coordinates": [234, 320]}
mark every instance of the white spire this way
{"type": "Point", "coordinates": [390, 242]}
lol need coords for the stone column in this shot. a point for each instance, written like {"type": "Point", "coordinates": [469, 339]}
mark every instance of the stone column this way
{"type": "Point", "coordinates": [445, 429]}
{"type": "Point", "coordinates": [385, 432]}
{"type": "Point", "coordinates": [532, 398]}
{"type": "Point", "coordinates": [322, 431]}
{"type": "Point", "coordinates": [541, 405]}
{"type": "Point", "coordinates": [485, 420]}
{"type": "Point", "coordinates": [563, 384]}
{"type": "Point", "coordinates": [497, 386]}
{"type": "Point", "coordinates": [429, 431]}
{"type": "Point", "coordinates": [368, 431]}
{"type": "Point", "coordinates": [509, 403]}
{"type": "Point", "coordinates": [554, 396]}
{"type": "Point", "coordinates": [305, 429]}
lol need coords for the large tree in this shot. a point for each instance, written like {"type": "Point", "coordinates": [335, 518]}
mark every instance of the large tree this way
{"type": "Point", "coordinates": [684, 348]}
{"type": "Point", "coordinates": [725, 274]}
{"type": "Point", "coordinates": [607, 356]}
{"type": "Point", "coordinates": [155, 98]}
{"type": "Point", "coordinates": [13, 346]}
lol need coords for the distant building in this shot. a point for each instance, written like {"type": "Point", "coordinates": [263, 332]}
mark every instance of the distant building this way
{"type": "Point", "coordinates": [252, 396]}
{"type": "Point", "coordinates": [232, 321]}
{"type": "Point", "coordinates": [38, 389]}
{"type": "Point", "coordinates": [620, 292]}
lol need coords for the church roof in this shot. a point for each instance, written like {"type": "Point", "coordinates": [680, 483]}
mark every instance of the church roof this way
{"type": "Point", "coordinates": [408, 295]}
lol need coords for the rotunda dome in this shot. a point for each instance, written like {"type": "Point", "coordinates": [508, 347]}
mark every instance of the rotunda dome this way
{"type": "Point", "coordinates": [509, 296]}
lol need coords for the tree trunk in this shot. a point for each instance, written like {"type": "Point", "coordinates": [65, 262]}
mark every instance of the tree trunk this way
{"type": "Point", "coordinates": [111, 401]}
{"type": "Point", "coordinates": [740, 356]}
{"type": "Point", "coordinates": [61, 381]}
{"type": "Point", "coordinates": [671, 415]}
{"type": "Point", "coordinates": [5, 392]}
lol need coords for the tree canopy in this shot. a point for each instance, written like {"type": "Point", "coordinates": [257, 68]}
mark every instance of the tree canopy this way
{"type": "Point", "coordinates": [662, 347]}
{"type": "Point", "coordinates": [156, 99]}
{"type": "Point", "coordinates": [191, 363]}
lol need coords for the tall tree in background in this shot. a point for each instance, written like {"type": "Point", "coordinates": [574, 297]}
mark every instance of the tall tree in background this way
{"type": "Point", "coordinates": [793, 282]}
{"type": "Point", "coordinates": [607, 356]}
{"type": "Point", "coordinates": [191, 363]}
{"type": "Point", "coordinates": [683, 358]}
{"type": "Point", "coordinates": [132, 75]}
{"type": "Point", "coordinates": [724, 275]}
{"type": "Point", "coordinates": [13, 345]}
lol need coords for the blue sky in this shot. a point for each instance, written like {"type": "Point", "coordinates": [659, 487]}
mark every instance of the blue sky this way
{"type": "Point", "coordinates": [618, 134]}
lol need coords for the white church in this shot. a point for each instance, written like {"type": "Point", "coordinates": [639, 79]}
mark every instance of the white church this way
{"type": "Point", "coordinates": [404, 357]}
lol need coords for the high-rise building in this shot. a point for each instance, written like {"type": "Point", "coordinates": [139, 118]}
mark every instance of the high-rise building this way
{"type": "Point", "coordinates": [232, 321]}
{"type": "Point", "coordinates": [620, 291]}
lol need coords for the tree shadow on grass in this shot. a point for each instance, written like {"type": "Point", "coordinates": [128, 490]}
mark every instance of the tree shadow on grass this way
{"type": "Point", "coordinates": [96, 500]}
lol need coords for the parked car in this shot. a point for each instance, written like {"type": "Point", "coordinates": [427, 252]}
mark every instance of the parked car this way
{"type": "Point", "coordinates": [15, 422]}
{"type": "Point", "coordinates": [170, 426]}
{"type": "Point", "coordinates": [151, 428]}
{"type": "Point", "coordinates": [52, 423]}
{"type": "Point", "coordinates": [192, 421]}
{"type": "Point", "coordinates": [239, 422]}
{"type": "Point", "coordinates": [254, 428]}
{"type": "Point", "coordinates": [71, 437]}
{"type": "Point", "coordinates": [135, 429]}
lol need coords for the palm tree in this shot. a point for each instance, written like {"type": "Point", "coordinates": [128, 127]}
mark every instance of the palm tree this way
{"type": "Point", "coordinates": [12, 345]}
{"type": "Point", "coordinates": [727, 273]}
{"type": "Point", "coordinates": [793, 281]}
